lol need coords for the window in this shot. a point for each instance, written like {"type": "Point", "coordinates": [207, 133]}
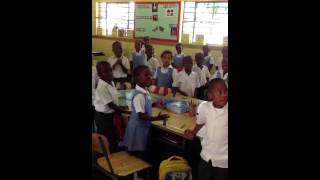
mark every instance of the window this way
{"type": "Point", "coordinates": [207, 18]}
{"type": "Point", "coordinates": [110, 15]}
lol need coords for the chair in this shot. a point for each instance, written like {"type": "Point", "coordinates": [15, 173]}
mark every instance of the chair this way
{"type": "Point", "coordinates": [116, 165]}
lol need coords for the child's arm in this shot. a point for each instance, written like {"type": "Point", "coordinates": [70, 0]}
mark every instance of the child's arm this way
{"type": "Point", "coordinates": [195, 93]}
{"type": "Point", "coordinates": [210, 67]}
{"type": "Point", "coordinates": [177, 89]}
{"type": "Point", "coordinates": [144, 116]}
{"type": "Point", "coordinates": [124, 69]}
{"type": "Point", "coordinates": [117, 108]}
{"type": "Point", "coordinates": [189, 134]}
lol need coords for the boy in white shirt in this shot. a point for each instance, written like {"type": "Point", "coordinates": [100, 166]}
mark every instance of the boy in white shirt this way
{"type": "Point", "coordinates": [152, 62]}
{"type": "Point", "coordinates": [119, 63]}
{"type": "Point", "coordinates": [212, 116]}
{"type": "Point", "coordinates": [186, 81]}
{"type": "Point", "coordinates": [106, 98]}
{"type": "Point", "coordinates": [203, 75]}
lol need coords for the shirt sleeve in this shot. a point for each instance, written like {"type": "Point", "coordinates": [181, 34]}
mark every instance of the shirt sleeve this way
{"type": "Point", "coordinates": [139, 103]}
{"type": "Point", "coordinates": [201, 118]}
{"type": "Point", "coordinates": [208, 75]}
{"type": "Point", "coordinates": [126, 63]}
{"type": "Point", "coordinates": [104, 95]}
{"type": "Point", "coordinates": [211, 60]}
{"type": "Point", "coordinates": [197, 83]}
{"type": "Point", "coordinates": [176, 79]}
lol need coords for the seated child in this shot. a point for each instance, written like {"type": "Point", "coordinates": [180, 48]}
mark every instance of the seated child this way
{"type": "Point", "coordinates": [106, 98]}
{"type": "Point", "coordinates": [203, 75]}
{"type": "Point", "coordinates": [212, 119]}
{"type": "Point", "coordinates": [186, 81]}
{"type": "Point", "coordinates": [119, 63]}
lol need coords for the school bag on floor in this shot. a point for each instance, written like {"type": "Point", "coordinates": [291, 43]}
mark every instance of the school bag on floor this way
{"type": "Point", "coordinates": [175, 168]}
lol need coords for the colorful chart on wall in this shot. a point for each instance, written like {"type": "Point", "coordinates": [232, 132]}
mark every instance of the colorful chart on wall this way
{"type": "Point", "coordinates": [158, 20]}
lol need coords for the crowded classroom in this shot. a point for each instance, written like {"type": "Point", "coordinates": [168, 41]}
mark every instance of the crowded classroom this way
{"type": "Point", "coordinates": [160, 89]}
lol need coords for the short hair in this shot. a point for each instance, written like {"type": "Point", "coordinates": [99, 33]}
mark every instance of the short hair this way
{"type": "Point", "coordinates": [100, 64]}
{"type": "Point", "coordinates": [166, 52]}
{"type": "Point", "coordinates": [115, 43]}
{"type": "Point", "coordinates": [198, 54]}
{"type": "Point", "coordinates": [185, 58]}
{"type": "Point", "coordinates": [179, 44]}
{"type": "Point", "coordinates": [138, 70]}
{"type": "Point", "coordinates": [212, 83]}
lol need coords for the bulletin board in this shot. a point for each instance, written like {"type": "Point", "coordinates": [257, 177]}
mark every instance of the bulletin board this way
{"type": "Point", "coordinates": [158, 20]}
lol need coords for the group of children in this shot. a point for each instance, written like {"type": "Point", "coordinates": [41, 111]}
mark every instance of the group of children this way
{"type": "Point", "coordinates": [177, 72]}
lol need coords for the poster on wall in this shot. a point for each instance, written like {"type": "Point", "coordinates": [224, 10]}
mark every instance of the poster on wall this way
{"type": "Point", "coordinates": [158, 20]}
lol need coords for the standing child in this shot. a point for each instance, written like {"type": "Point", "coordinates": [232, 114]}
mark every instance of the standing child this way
{"type": "Point", "coordinates": [164, 74]}
{"type": "Point", "coordinates": [208, 59]}
{"type": "Point", "coordinates": [106, 98]}
{"type": "Point", "coordinates": [203, 75]}
{"type": "Point", "coordinates": [152, 62]}
{"type": "Point", "coordinates": [213, 118]}
{"type": "Point", "coordinates": [137, 131]}
{"type": "Point", "coordinates": [178, 57]}
{"type": "Point", "coordinates": [119, 63]}
{"type": "Point", "coordinates": [138, 55]}
{"type": "Point", "coordinates": [186, 81]}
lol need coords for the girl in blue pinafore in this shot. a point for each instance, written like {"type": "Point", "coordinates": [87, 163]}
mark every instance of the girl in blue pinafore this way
{"type": "Point", "coordinates": [137, 131]}
{"type": "Point", "coordinates": [139, 55]}
{"type": "Point", "coordinates": [163, 74]}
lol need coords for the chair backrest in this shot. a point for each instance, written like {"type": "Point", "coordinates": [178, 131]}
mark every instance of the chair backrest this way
{"type": "Point", "coordinates": [96, 146]}
{"type": "Point", "coordinates": [100, 144]}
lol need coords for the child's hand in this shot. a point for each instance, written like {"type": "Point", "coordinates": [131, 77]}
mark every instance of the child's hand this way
{"type": "Point", "coordinates": [119, 62]}
{"type": "Point", "coordinates": [163, 117]}
{"type": "Point", "coordinates": [188, 133]}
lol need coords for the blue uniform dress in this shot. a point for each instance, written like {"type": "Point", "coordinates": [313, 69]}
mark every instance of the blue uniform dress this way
{"type": "Point", "coordinates": [139, 59]}
{"type": "Point", "coordinates": [164, 79]}
{"type": "Point", "coordinates": [177, 60]}
{"type": "Point", "coordinates": [137, 132]}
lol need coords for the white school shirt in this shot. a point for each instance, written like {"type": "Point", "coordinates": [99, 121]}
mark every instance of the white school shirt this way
{"type": "Point", "coordinates": [105, 93]}
{"type": "Point", "coordinates": [139, 100]}
{"type": "Point", "coordinates": [162, 70]}
{"type": "Point", "coordinates": [153, 64]}
{"type": "Point", "coordinates": [186, 83]}
{"type": "Point", "coordinates": [215, 134]}
{"type": "Point", "coordinates": [225, 77]}
{"type": "Point", "coordinates": [211, 59]}
{"type": "Point", "coordinates": [203, 74]}
{"type": "Point", "coordinates": [95, 79]}
{"type": "Point", "coordinates": [117, 71]}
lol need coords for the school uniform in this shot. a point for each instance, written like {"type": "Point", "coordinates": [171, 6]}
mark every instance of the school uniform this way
{"type": "Point", "coordinates": [153, 64]}
{"type": "Point", "coordinates": [178, 60]}
{"type": "Point", "coordinates": [139, 58]}
{"type": "Point", "coordinates": [214, 133]}
{"type": "Point", "coordinates": [95, 79]}
{"type": "Point", "coordinates": [186, 82]}
{"type": "Point", "coordinates": [209, 60]}
{"type": "Point", "coordinates": [137, 132]}
{"type": "Point", "coordinates": [164, 76]}
{"type": "Point", "coordinates": [219, 74]}
{"type": "Point", "coordinates": [118, 74]}
{"type": "Point", "coordinates": [106, 93]}
{"type": "Point", "coordinates": [203, 73]}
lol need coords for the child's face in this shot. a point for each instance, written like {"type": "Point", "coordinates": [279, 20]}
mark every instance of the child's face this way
{"type": "Point", "coordinates": [179, 49]}
{"type": "Point", "coordinates": [149, 51]}
{"type": "Point", "coordinates": [205, 49]}
{"type": "Point", "coordinates": [117, 50]}
{"type": "Point", "coordinates": [144, 77]}
{"type": "Point", "coordinates": [105, 73]}
{"type": "Point", "coordinates": [187, 64]}
{"type": "Point", "coordinates": [199, 60]}
{"type": "Point", "coordinates": [219, 95]}
{"type": "Point", "coordinates": [137, 46]}
{"type": "Point", "coordinates": [225, 64]}
{"type": "Point", "coordinates": [166, 59]}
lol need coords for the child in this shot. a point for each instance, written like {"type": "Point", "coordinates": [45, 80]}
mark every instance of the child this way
{"type": "Point", "coordinates": [119, 63]}
{"type": "Point", "coordinates": [177, 58]}
{"type": "Point", "coordinates": [208, 58]}
{"type": "Point", "coordinates": [203, 75]}
{"type": "Point", "coordinates": [186, 80]}
{"type": "Point", "coordinates": [222, 72]}
{"type": "Point", "coordinates": [138, 55]}
{"type": "Point", "coordinates": [106, 98]}
{"type": "Point", "coordinates": [137, 131]}
{"type": "Point", "coordinates": [164, 74]}
{"type": "Point", "coordinates": [213, 119]}
{"type": "Point", "coordinates": [152, 62]}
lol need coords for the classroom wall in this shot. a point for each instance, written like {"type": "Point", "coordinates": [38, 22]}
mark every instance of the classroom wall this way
{"type": "Point", "coordinates": [104, 44]}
